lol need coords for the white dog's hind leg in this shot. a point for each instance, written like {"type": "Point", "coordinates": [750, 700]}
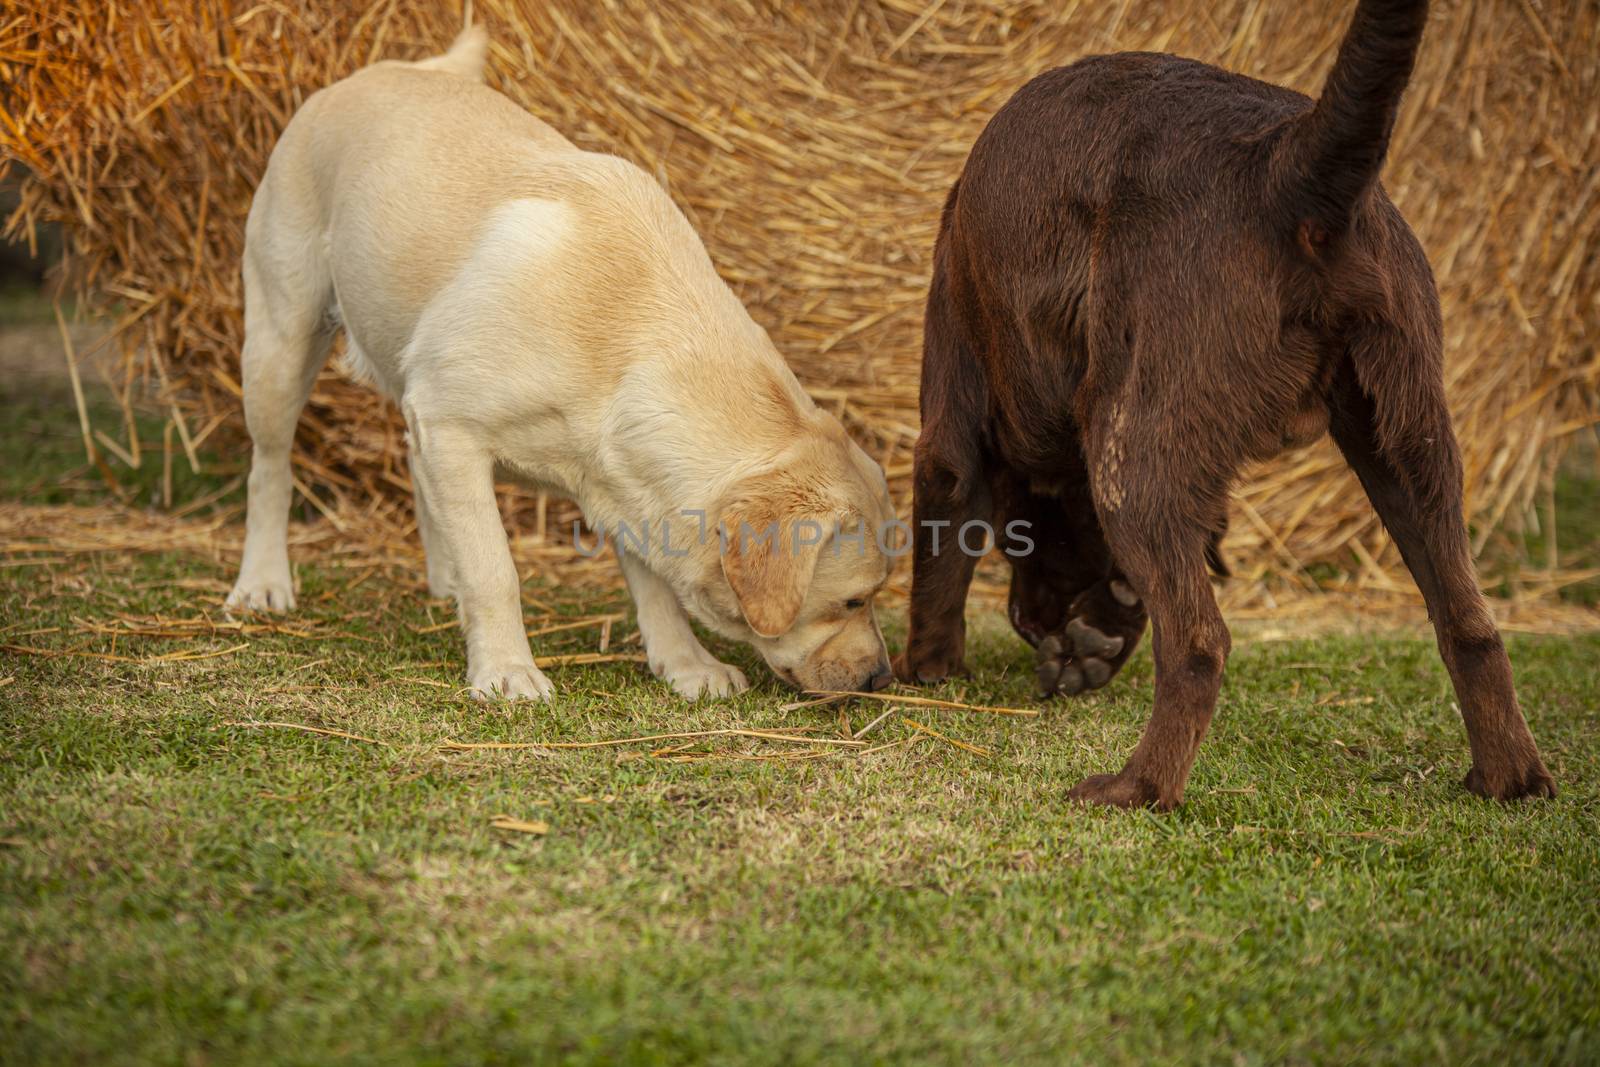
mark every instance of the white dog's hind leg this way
{"type": "Point", "coordinates": [436, 555]}
{"type": "Point", "coordinates": [456, 477]}
{"type": "Point", "coordinates": [676, 656]}
{"type": "Point", "coordinates": [286, 340]}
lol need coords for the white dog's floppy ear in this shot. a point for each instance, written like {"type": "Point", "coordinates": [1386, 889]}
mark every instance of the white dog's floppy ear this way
{"type": "Point", "coordinates": [771, 539]}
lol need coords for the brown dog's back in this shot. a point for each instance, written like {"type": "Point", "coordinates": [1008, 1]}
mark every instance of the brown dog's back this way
{"type": "Point", "coordinates": [1148, 208]}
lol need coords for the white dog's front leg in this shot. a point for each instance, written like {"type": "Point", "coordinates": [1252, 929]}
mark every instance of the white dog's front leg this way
{"type": "Point", "coordinates": [675, 654]}
{"type": "Point", "coordinates": [457, 478]}
{"type": "Point", "coordinates": [264, 582]}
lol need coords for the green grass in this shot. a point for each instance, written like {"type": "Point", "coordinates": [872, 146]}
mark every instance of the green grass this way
{"type": "Point", "coordinates": [1577, 525]}
{"type": "Point", "coordinates": [42, 456]}
{"type": "Point", "coordinates": [176, 890]}
{"type": "Point", "coordinates": [22, 304]}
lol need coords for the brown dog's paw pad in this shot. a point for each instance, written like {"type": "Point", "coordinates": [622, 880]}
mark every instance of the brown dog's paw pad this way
{"type": "Point", "coordinates": [1123, 593]}
{"type": "Point", "coordinates": [1097, 672]}
{"type": "Point", "coordinates": [1054, 670]}
{"type": "Point", "coordinates": [1087, 641]}
{"type": "Point", "coordinates": [1072, 681]}
{"type": "Point", "coordinates": [1046, 676]}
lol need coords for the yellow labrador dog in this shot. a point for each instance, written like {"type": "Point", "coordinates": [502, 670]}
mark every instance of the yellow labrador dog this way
{"type": "Point", "coordinates": [549, 314]}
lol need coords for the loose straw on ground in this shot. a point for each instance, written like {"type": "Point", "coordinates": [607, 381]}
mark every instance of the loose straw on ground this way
{"type": "Point", "coordinates": [929, 702]}
{"type": "Point", "coordinates": [108, 657]}
{"type": "Point", "coordinates": [255, 724]}
{"type": "Point", "coordinates": [584, 658]}
{"type": "Point", "coordinates": [767, 735]}
{"type": "Point", "coordinates": [931, 732]}
{"type": "Point", "coordinates": [874, 724]}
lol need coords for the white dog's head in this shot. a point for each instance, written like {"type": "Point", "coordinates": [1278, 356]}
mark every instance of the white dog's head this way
{"type": "Point", "coordinates": [802, 557]}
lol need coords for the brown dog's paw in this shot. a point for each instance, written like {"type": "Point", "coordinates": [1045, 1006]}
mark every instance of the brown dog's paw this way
{"type": "Point", "coordinates": [1531, 781]}
{"type": "Point", "coordinates": [926, 671]}
{"type": "Point", "coordinates": [1079, 658]}
{"type": "Point", "coordinates": [1119, 791]}
{"type": "Point", "coordinates": [1103, 626]}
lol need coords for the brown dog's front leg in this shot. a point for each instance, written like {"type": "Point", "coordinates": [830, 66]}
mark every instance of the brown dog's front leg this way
{"type": "Point", "coordinates": [949, 481]}
{"type": "Point", "coordinates": [941, 570]}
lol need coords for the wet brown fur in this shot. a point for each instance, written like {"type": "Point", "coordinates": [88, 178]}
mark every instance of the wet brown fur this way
{"type": "Point", "coordinates": [1150, 272]}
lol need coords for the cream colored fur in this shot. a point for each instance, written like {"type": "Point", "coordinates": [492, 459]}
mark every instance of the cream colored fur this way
{"type": "Point", "coordinates": [548, 314]}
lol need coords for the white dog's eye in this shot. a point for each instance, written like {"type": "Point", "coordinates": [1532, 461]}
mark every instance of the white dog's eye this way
{"type": "Point", "coordinates": [854, 603]}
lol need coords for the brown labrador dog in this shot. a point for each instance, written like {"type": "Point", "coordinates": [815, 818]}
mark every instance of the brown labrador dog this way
{"type": "Point", "coordinates": [1150, 272]}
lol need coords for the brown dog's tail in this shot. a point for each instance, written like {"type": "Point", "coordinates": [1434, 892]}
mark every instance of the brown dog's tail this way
{"type": "Point", "coordinates": [1336, 150]}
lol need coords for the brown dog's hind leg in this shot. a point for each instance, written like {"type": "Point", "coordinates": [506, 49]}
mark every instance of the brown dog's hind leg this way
{"type": "Point", "coordinates": [1166, 565]}
{"type": "Point", "coordinates": [1415, 483]}
{"type": "Point", "coordinates": [1158, 507]}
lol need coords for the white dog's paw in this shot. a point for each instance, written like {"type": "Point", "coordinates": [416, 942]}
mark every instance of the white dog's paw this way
{"type": "Point", "coordinates": [509, 681]}
{"type": "Point", "coordinates": [711, 678]}
{"type": "Point", "coordinates": [250, 593]}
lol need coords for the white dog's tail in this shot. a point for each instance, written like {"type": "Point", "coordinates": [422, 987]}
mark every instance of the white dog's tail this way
{"type": "Point", "coordinates": [465, 56]}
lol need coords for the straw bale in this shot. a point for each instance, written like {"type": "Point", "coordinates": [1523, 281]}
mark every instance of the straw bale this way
{"type": "Point", "coordinates": [812, 145]}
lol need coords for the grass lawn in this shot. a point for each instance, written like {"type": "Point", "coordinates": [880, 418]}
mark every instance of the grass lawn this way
{"type": "Point", "coordinates": [176, 889]}
{"type": "Point", "coordinates": [173, 889]}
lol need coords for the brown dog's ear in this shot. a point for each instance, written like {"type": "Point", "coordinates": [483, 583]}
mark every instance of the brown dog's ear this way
{"type": "Point", "coordinates": [770, 545]}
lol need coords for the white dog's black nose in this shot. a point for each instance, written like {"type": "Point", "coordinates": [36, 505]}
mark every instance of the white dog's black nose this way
{"type": "Point", "coordinates": [881, 678]}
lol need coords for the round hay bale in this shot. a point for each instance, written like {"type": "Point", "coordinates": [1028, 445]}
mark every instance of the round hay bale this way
{"type": "Point", "coordinates": [812, 145]}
